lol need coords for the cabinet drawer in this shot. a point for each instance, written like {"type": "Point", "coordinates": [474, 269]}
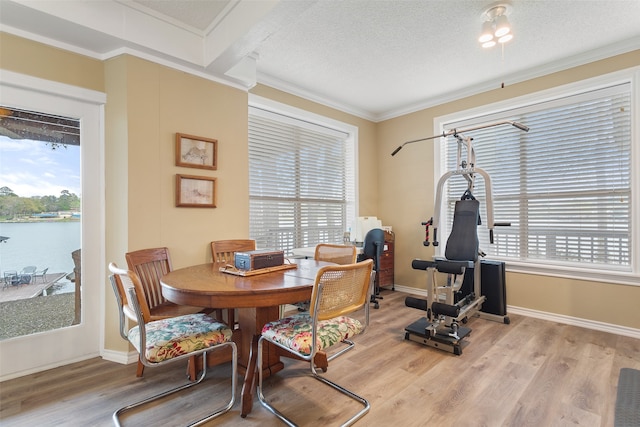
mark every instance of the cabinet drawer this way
{"type": "Point", "coordinates": [385, 277]}
{"type": "Point", "coordinates": [386, 260]}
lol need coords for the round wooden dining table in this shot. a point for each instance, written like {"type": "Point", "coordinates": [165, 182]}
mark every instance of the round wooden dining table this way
{"type": "Point", "coordinates": [257, 296]}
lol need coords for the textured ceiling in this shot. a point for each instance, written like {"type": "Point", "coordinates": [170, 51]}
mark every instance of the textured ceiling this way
{"type": "Point", "coordinates": [376, 59]}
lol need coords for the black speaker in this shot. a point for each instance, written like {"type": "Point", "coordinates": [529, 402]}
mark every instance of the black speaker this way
{"type": "Point", "coordinates": [493, 285]}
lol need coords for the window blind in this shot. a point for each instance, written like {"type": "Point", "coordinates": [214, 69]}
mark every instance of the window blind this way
{"type": "Point", "coordinates": [564, 186]}
{"type": "Point", "coordinates": [301, 182]}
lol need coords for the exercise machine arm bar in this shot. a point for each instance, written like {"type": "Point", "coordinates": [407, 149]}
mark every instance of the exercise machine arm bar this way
{"type": "Point", "coordinates": [456, 131]}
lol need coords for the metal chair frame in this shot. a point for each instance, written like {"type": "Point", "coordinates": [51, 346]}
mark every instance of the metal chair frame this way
{"type": "Point", "coordinates": [133, 302]}
{"type": "Point", "coordinates": [42, 274]}
{"type": "Point", "coordinates": [320, 311]}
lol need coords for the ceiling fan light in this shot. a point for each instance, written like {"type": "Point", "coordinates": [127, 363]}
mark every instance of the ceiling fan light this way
{"type": "Point", "coordinates": [487, 32]}
{"type": "Point", "coordinates": [502, 26]}
{"type": "Point", "coordinates": [505, 38]}
{"type": "Point", "coordinates": [488, 44]}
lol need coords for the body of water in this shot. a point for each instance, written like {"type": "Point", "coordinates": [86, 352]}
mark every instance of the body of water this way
{"type": "Point", "coordinates": [43, 244]}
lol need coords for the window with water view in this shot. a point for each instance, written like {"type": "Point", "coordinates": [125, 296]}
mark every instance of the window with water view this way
{"type": "Point", "coordinates": [40, 222]}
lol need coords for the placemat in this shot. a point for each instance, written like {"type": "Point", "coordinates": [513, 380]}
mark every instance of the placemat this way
{"type": "Point", "coordinates": [229, 269]}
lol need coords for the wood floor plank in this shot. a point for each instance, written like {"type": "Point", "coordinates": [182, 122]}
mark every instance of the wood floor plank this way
{"type": "Point", "coordinates": [530, 372]}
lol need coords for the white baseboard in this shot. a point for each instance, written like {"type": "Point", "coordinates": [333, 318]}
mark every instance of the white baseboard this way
{"type": "Point", "coordinates": [576, 321]}
{"type": "Point", "coordinates": [553, 317]}
{"type": "Point", "coordinates": [408, 290]}
{"type": "Point", "coordinates": [121, 357]}
{"type": "Point", "coordinates": [46, 367]}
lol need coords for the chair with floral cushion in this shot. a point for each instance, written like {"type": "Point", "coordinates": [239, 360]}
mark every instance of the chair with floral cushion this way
{"type": "Point", "coordinates": [338, 290]}
{"type": "Point", "coordinates": [172, 339]}
{"type": "Point", "coordinates": [150, 265]}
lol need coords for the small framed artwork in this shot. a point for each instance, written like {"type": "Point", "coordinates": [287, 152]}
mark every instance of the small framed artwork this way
{"type": "Point", "coordinates": [195, 191]}
{"type": "Point", "coordinates": [196, 152]}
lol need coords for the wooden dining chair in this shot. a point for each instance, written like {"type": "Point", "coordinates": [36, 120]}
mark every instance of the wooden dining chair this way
{"type": "Point", "coordinates": [338, 291]}
{"type": "Point", "coordinates": [223, 253]}
{"type": "Point", "coordinates": [150, 265]}
{"type": "Point", "coordinates": [159, 342]}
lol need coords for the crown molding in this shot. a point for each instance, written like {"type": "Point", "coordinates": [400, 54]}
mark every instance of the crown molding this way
{"type": "Point", "coordinates": [292, 89]}
{"type": "Point", "coordinates": [268, 80]}
{"type": "Point", "coordinates": [518, 77]}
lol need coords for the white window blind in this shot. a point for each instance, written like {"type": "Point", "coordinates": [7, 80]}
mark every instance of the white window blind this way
{"type": "Point", "coordinates": [564, 186]}
{"type": "Point", "coordinates": [301, 181]}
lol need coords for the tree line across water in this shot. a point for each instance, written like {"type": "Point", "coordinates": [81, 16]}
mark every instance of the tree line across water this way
{"type": "Point", "coordinates": [13, 206]}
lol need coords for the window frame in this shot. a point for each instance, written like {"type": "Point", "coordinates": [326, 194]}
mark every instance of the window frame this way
{"type": "Point", "coordinates": [298, 114]}
{"type": "Point", "coordinates": [631, 76]}
{"type": "Point", "coordinates": [85, 340]}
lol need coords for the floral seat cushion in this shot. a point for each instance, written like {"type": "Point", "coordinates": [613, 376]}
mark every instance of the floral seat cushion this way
{"type": "Point", "coordinates": [295, 333]}
{"type": "Point", "coordinates": [175, 336]}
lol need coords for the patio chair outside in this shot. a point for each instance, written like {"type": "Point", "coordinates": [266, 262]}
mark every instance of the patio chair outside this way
{"type": "Point", "coordinates": [29, 271]}
{"type": "Point", "coordinates": [42, 274]}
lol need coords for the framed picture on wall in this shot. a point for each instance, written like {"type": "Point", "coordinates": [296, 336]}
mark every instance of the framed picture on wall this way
{"type": "Point", "coordinates": [195, 191]}
{"type": "Point", "coordinates": [196, 152]}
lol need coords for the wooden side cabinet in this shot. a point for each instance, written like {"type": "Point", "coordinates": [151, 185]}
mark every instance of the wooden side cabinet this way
{"type": "Point", "coordinates": [385, 276]}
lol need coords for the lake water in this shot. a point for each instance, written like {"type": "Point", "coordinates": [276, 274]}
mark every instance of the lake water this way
{"type": "Point", "coordinates": [43, 244]}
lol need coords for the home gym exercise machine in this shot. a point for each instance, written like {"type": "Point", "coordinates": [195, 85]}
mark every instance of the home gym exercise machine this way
{"type": "Point", "coordinates": [449, 304]}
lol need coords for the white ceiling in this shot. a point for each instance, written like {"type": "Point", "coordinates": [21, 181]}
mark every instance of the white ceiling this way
{"type": "Point", "coordinates": [376, 59]}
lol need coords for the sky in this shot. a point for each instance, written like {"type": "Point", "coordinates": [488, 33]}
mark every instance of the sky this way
{"type": "Point", "coordinates": [32, 168]}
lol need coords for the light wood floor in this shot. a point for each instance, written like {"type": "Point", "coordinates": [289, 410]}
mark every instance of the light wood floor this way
{"type": "Point", "coordinates": [529, 373]}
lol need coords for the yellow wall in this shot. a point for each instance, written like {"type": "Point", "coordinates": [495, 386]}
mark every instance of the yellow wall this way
{"type": "Point", "coordinates": [151, 104]}
{"type": "Point", "coordinates": [407, 181]}
{"type": "Point", "coordinates": [161, 102]}
{"type": "Point", "coordinates": [23, 56]}
{"type": "Point", "coordinates": [148, 103]}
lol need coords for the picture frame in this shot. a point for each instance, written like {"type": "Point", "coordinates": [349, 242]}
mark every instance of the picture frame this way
{"type": "Point", "coordinates": [196, 152]}
{"type": "Point", "coordinates": [195, 191]}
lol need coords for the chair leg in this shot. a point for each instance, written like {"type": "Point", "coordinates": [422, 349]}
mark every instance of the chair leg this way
{"type": "Point", "coordinates": [219, 411]}
{"type": "Point", "coordinates": [192, 367]}
{"type": "Point", "coordinates": [314, 374]}
{"type": "Point", "coordinates": [140, 368]}
{"type": "Point", "coordinates": [231, 317]}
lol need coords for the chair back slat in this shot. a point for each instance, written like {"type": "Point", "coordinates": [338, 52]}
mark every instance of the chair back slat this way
{"type": "Point", "coordinates": [223, 251]}
{"type": "Point", "coordinates": [338, 254]}
{"type": "Point", "coordinates": [341, 289]}
{"type": "Point", "coordinates": [150, 265]}
{"type": "Point", "coordinates": [150, 275]}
